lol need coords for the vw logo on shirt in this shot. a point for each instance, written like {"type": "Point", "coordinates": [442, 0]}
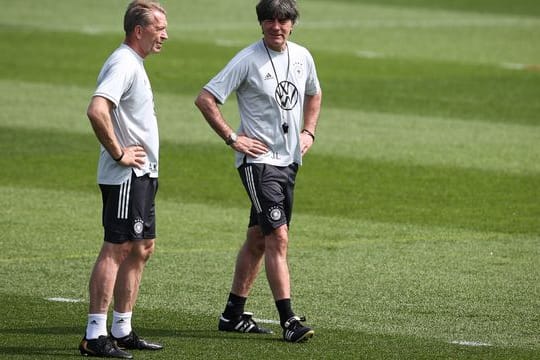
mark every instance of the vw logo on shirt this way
{"type": "Point", "coordinates": [286, 95]}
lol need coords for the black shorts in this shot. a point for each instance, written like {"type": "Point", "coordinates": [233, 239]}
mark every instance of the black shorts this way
{"type": "Point", "coordinates": [271, 191]}
{"type": "Point", "coordinates": [129, 209]}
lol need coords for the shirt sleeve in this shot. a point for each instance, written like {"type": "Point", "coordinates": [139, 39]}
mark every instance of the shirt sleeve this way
{"type": "Point", "coordinates": [229, 78]}
{"type": "Point", "coordinates": [113, 81]}
{"type": "Point", "coordinates": [313, 86]}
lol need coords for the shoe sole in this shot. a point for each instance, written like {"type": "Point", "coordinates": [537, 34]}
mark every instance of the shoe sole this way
{"type": "Point", "coordinates": [270, 332]}
{"type": "Point", "coordinates": [308, 335]}
{"type": "Point", "coordinates": [88, 353]}
{"type": "Point", "coordinates": [83, 350]}
{"type": "Point", "coordinates": [232, 329]}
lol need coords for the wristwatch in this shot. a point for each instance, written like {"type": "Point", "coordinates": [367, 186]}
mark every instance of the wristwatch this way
{"type": "Point", "coordinates": [231, 139]}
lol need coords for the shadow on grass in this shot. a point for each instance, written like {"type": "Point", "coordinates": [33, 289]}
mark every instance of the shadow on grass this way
{"type": "Point", "coordinates": [474, 199]}
{"type": "Point", "coordinates": [34, 328]}
{"type": "Point", "coordinates": [63, 341]}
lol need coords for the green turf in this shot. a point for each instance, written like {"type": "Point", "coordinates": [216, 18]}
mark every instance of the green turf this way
{"type": "Point", "coordinates": [480, 92]}
{"type": "Point", "coordinates": [415, 233]}
{"type": "Point", "coordinates": [522, 7]}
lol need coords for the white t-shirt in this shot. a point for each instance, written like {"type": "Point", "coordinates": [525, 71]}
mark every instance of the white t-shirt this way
{"type": "Point", "coordinates": [266, 108]}
{"type": "Point", "coordinates": [123, 81]}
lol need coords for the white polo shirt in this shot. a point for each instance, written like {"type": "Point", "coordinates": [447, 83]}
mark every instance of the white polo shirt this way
{"type": "Point", "coordinates": [123, 81]}
{"type": "Point", "coordinates": [266, 107]}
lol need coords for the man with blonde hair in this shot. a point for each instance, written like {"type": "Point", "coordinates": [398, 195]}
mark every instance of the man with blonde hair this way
{"type": "Point", "coordinates": [123, 118]}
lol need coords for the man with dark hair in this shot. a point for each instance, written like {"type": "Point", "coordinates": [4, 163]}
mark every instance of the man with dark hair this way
{"type": "Point", "coordinates": [123, 118]}
{"type": "Point", "coordinates": [279, 100]}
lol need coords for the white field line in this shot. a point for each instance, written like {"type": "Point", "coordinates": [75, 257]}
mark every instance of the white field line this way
{"type": "Point", "coordinates": [419, 22]}
{"type": "Point", "coordinates": [61, 299]}
{"type": "Point", "coordinates": [276, 322]}
{"type": "Point", "coordinates": [266, 321]}
{"type": "Point", "coordinates": [368, 54]}
{"type": "Point", "coordinates": [469, 343]}
{"type": "Point", "coordinates": [456, 342]}
{"type": "Point", "coordinates": [512, 66]}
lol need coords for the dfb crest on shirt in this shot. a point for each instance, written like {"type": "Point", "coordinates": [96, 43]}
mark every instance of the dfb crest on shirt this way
{"type": "Point", "coordinates": [286, 95]}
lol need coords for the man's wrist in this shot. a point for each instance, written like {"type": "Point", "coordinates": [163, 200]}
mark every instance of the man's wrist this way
{"type": "Point", "coordinates": [306, 131]}
{"type": "Point", "coordinates": [231, 139]}
{"type": "Point", "coordinates": [120, 157]}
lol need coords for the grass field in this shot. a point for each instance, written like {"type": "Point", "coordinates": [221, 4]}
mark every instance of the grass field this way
{"type": "Point", "coordinates": [416, 232]}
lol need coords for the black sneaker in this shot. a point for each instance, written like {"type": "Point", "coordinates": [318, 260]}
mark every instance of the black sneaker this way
{"type": "Point", "coordinates": [244, 324]}
{"type": "Point", "coordinates": [103, 346]}
{"type": "Point", "coordinates": [294, 331]}
{"type": "Point", "coordinates": [132, 341]}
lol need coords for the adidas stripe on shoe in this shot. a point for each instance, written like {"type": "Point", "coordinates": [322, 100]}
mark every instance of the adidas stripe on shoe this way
{"type": "Point", "coordinates": [294, 331]}
{"type": "Point", "coordinates": [244, 324]}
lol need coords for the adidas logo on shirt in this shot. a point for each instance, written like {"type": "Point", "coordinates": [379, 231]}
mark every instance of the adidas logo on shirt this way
{"type": "Point", "coordinates": [268, 76]}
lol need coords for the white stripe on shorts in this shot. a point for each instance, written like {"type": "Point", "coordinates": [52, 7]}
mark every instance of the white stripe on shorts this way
{"type": "Point", "coordinates": [251, 189]}
{"type": "Point", "coordinates": [123, 199]}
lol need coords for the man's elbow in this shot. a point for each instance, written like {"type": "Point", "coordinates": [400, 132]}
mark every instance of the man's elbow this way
{"type": "Point", "coordinates": [199, 101]}
{"type": "Point", "coordinates": [98, 108]}
{"type": "Point", "coordinates": [91, 113]}
{"type": "Point", "coordinates": [314, 99]}
{"type": "Point", "coordinates": [205, 100]}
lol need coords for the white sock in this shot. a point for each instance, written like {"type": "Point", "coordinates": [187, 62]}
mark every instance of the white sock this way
{"type": "Point", "coordinates": [121, 325]}
{"type": "Point", "coordinates": [97, 326]}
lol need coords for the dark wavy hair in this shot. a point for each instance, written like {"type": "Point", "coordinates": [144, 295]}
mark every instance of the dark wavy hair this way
{"type": "Point", "coordinates": [277, 9]}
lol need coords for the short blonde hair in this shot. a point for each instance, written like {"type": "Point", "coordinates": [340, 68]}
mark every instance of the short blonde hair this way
{"type": "Point", "coordinates": [139, 12]}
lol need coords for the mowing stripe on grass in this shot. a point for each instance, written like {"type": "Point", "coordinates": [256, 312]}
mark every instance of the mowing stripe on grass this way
{"type": "Point", "coordinates": [463, 293]}
{"type": "Point", "coordinates": [430, 88]}
{"type": "Point", "coordinates": [423, 186]}
{"type": "Point", "coordinates": [385, 191]}
{"type": "Point", "coordinates": [422, 140]}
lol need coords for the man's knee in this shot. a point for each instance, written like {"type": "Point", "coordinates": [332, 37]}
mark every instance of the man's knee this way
{"type": "Point", "coordinates": [278, 239]}
{"type": "Point", "coordinates": [255, 240]}
{"type": "Point", "coordinates": [144, 249]}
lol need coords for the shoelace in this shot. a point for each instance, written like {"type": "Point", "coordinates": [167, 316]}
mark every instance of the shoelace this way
{"type": "Point", "coordinates": [295, 322]}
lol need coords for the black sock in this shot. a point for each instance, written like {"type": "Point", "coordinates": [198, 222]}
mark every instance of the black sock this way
{"type": "Point", "coordinates": [234, 307]}
{"type": "Point", "coordinates": [285, 310]}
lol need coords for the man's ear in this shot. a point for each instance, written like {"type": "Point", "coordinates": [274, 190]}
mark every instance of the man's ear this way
{"type": "Point", "coordinates": [138, 31]}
